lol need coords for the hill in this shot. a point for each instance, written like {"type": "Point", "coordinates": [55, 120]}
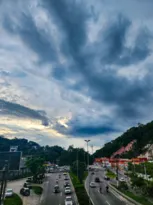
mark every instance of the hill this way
{"type": "Point", "coordinates": [143, 134]}
{"type": "Point", "coordinates": [54, 154]}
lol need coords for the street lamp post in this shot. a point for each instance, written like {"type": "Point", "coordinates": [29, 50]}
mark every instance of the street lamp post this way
{"type": "Point", "coordinates": [77, 165]}
{"type": "Point", "coordinates": [87, 141]}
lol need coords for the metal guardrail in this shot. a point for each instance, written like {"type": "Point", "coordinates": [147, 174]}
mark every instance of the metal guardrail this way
{"type": "Point", "coordinates": [125, 196]}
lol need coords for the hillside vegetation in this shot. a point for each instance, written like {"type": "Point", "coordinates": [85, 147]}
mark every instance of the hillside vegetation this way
{"type": "Point", "coordinates": [143, 134]}
{"type": "Point", "coordinates": [54, 154]}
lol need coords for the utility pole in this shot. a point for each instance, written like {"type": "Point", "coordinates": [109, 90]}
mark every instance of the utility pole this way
{"type": "Point", "coordinates": [87, 141]}
{"type": "Point", "coordinates": [92, 149]}
{"type": "Point", "coordinates": [77, 165]}
{"type": "Point", "coordinates": [117, 172]}
{"type": "Point", "coordinates": [4, 182]}
{"type": "Point", "coordinates": [145, 171]}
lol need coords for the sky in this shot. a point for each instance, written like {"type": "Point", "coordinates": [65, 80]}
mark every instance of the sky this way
{"type": "Point", "coordinates": [72, 70]}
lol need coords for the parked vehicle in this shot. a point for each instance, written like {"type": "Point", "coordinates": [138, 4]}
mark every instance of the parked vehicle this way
{"type": "Point", "coordinates": [9, 193]}
{"type": "Point", "coordinates": [27, 185]}
{"type": "Point", "coordinates": [25, 191]}
{"type": "Point", "coordinates": [29, 179]}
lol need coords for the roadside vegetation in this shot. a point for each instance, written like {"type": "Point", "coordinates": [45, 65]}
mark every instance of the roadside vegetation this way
{"type": "Point", "coordinates": [79, 189]}
{"type": "Point", "coordinates": [141, 199]}
{"type": "Point", "coordinates": [140, 190]}
{"type": "Point", "coordinates": [110, 174]}
{"type": "Point", "coordinates": [78, 176]}
{"type": "Point", "coordinates": [14, 200]}
{"type": "Point", "coordinates": [37, 190]}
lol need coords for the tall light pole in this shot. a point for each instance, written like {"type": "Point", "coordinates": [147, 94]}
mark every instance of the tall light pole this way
{"type": "Point", "coordinates": [87, 141]}
{"type": "Point", "coordinates": [92, 149]}
{"type": "Point", "coordinates": [77, 165]}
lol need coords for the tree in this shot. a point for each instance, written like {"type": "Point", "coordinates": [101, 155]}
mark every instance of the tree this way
{"type": "Point", "coordinates": [142, 134]}
{"type": "Point", "coordinates": [36, 166]}
{"type": "Point", "coordinates": [79, 168]}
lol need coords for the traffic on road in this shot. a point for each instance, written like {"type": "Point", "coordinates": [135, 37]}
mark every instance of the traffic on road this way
{"type": "Point", "coordinates": [58, 189]}
{"type": "Point", "coordinates": [98, 187]}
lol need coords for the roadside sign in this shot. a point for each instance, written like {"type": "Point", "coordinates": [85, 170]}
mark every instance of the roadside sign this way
{"type": "Point", "coordinates": [13, 159]}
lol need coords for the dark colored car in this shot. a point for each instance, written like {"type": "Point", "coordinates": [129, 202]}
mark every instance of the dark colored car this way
{"type": "Point", "coordinates": [92, 173]}
{"type": "Point", "coordinates": [27, 185]}
{"type": "Point", "coordinates": [97, 179]}
{"type": "Point", "coordinates": [56, 189]}
{"type": "Point", "coordinates": [25, 191]}
{"type": "Point", "coordinates": [106, 178]}
{"type": "Point", "coordinates": [66, 184]}
{"type": "Point", "coordinates": [30, 179]}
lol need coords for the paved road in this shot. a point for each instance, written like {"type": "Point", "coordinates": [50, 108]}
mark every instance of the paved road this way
{"type": "Point", "coordinates": [48, 196]}
{"type": "Point", "coordinates": [111, 198]}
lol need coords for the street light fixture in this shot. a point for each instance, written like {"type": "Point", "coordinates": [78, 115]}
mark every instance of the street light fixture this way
{"type": "Point", "coordinates": [87, 141]}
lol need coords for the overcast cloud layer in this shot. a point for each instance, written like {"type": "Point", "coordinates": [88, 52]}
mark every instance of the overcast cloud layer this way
{"type": "Point", "coordinates": [75, 69]}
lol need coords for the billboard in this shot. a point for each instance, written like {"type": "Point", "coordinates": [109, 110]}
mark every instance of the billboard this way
{"type": "Point", "coordinates": [13, 159]}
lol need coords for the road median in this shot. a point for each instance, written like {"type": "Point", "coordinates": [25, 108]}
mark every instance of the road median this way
{"type": "Point", "coordinates": [80, 190]}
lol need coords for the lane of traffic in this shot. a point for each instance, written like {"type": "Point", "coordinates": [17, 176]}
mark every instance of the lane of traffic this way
{"type": "Point", "coordinates": [55, 195]}
{"type": "Point", "coordinates": [103, 197]}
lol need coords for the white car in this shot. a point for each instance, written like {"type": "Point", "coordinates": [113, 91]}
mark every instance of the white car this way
{"type": "Point", "coordinates": [9, 193]}
{"type": "Point", "coordinates": [68, 200]}
{"type": "Point", "coordinates": [122, 179]}
{"type": "Point", "coordinates": [92, 184]}
{"type": "Point", "coordinates": [67, 190]}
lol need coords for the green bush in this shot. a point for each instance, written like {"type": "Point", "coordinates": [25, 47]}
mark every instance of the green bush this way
{"type": "Point", "coordinates": [139, 199]}
{"type": "Point", "coordinates": [81, 193]}
{"type": "Point", "coordinates": [110, 174]}
{"type": "Point", "coordinates": [37, 190]}
{"type": "Point", "coordinates": [123, 186]}
{"type": "Point", "coordinates": [14, 200]}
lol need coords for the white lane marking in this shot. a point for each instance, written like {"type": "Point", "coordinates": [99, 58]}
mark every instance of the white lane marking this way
{"type": "Point", "coordinates": [61, 193]}
{"type": "Point", "coordinates": [107, 202]}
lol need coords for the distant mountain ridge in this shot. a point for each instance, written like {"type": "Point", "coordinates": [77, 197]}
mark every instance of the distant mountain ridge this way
{"type": "Point", "coordinates": [142, 134]}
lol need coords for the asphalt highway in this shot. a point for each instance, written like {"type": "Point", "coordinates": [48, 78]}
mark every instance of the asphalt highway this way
{"type": "Point", "coordinates": [104, 198]}
{"type": "Point", "coordinates": [49, 197]}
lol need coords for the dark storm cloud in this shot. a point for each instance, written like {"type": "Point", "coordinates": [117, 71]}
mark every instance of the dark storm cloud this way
{"type": "Point", "coordinates": [77, 129]}
{"type": "Point", "coordinates": [91, 131]}
{"type": "Point", "coordinates": [71, 18]}
{"type": "Point", "coordinates": [113, 44]}
{"type": "Point", "coordinates": [32, 36]}
{"type": "Point", "coordinates": [92, 61]}
{"type": "Point", "coordinates": [110, 49]}
{"type": "Point", "coordinates": [9, 108]}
